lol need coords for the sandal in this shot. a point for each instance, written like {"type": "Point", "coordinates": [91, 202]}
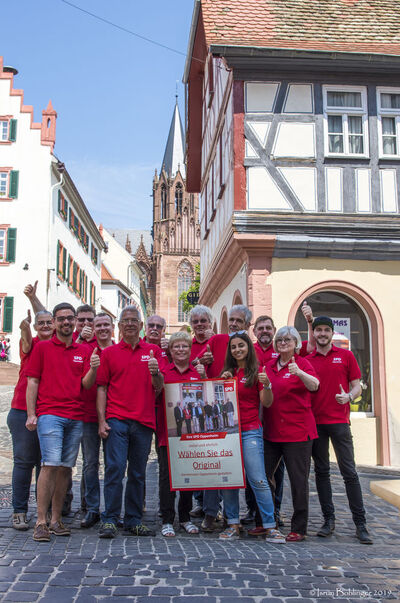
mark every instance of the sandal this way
{"type": "Point", "coordinates": [295, 537]}
{"type": "Point", "coordinates": [274, 535]}
{"type": "Point", "coordinates": [230, 533]}
{"type": "Point", "coordinates": [167, 530]}
{"type": "Point", "coordinates": [189, 527]}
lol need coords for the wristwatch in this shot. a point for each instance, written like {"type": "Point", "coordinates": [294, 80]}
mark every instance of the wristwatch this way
{"type": "Point", "coordinates": [351, 397]}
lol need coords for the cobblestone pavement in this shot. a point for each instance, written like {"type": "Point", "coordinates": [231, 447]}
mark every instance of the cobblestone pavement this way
{"type": "Point", "coordinates": [82, 568]}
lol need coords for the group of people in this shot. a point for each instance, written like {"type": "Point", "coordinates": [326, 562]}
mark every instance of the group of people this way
{"type": "Point", "coordinates": [5, 347]}
{"type": "Point", "coordinates": [199, 417]}
{"type": "Point", "coordinates": [78, 387]}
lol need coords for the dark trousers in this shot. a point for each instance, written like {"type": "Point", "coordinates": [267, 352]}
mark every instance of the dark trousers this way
{"type": "Point", "coordinates": [167, 498]}
{"type": "Point", "coordinates": [297, 457]}
{"type": "Point", "coordinates": [188, 425]}
{"type": "Point", "coordinates": [179, 427]}
{"type": "Point", "coordinates": [279, 478]}
{"type": "Point", "coordinates": [26, 456]}
{"type": "Point", "coordinates": [90, 470]}
{"type": "Point", "coordinates": [342, 442]}
{"type": "Point", "coordinates": [127, 442]}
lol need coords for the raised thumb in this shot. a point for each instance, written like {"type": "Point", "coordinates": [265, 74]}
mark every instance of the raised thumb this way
{"type": "Point", "coordinates": [208, 348]}
{"type": "Point", "coordinates": [341, 389]}
{"type": "Point", "coordinates": [95, 351]}
{"type": "Point", "coordinates": [293, 359]}
{"type": "Point", "coordinates": [151, 354]}
{"type": "Point", "coordinates": [264, 371]}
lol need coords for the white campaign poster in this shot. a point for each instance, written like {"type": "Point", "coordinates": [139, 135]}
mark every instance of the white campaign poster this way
{"type": "Point", "coordinates": [203, 429]}
{"type": "Point", "coordinates": [341, 336]}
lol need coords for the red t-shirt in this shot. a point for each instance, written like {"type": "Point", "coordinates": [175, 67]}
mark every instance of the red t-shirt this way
{"type": "Point", "coordinates": [88, 396]}
{"type": "Point", "coordinates": [60, 370]}
{"type": "Point", "coordinates": [338, 367]}
{"type": "Point", "coordinates": [264, 356]}
{"type": "Point", "coordinates": [19, 398]}
{"type": "Point", "coordinates": [303, 351]}
{"type": "Point", "coordinates": [249, 402]}
{"type": "Point", "coordinates": [130, 394]}
{"type": "Point", "coordinates": [218, 346]}
{"type": "Point", "coordinates": [198, 348]}
{"type": "Point", "coordinates": [163, 360]}
{"type": "Point", "coordinates": [171, 375]}
{"type": "Point", "coordinates": [290, 418]}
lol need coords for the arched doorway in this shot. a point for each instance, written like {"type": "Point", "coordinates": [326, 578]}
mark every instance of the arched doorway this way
{"type": "Point", "coordinates": [343, 300]}
{"type": "Point", "coordinates": [237, 298]}
{"type": "Point", "coordinates": [224, 321]}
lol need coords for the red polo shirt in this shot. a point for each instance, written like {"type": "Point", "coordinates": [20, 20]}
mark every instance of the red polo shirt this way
{"type": "Point", "coordinates": [130, 394]}
{"type": "Point", "coordinates": [303, 351]}
{"type": "Point", "coordinates": [338, 367]}
{"type": "Point", "coordinates": [171, 375]}
{"type": "Point", "coordinates": [60, 370]}
{"type": "Point", "coordinates": [164, 360]}
{"type": "Point", "coordinates": [218, 346]}
{"type": "Point", "coordinates": [264, 356]}
{"type": "Point", "coordinates": [290, 418]}
{"type": "Point", "coordinates": [88, 396]}
{"type": "Point", "coordinates": [19, 398]}
{"type": "Point", "coordinates": [249, 402]}
{"type": "Point", "coordinates": [198, 348]}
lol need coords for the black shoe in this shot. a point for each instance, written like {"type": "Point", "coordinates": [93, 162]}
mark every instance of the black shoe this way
{"type": "Point", "coordinates": [120, 522]}
{"type": "Point", "coordinates": [327, 528]}
{"type": "Point", "coordinates": [248, 518]}
{"type": "Point", "coordinates": [279, 521]}
{"type": "Point", "coordinates": [108, 530]}
{"type": "Point", "coordinates": [90, 519]}
{"type": "Point", "coordinates": [140, 530]}
{"type": "Point", "coordinates": [363, 534]}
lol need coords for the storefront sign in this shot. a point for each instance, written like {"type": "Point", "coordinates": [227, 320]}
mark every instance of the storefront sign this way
{"type": "Point", "coordinates": [341, 336]}
{"type": "Point", "coordinates": [203, 430]}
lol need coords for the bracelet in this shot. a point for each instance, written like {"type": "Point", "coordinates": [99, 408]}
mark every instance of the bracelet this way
{"type": "Point", "coordinates": [351, 397]}
{"type": "Point", "coordinates": [267, 386]}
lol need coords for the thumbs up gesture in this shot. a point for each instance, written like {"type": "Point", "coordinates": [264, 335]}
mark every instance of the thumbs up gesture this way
{"type": "Point", "coordinates": [26, 322]}
{"type": "Point", "coordinates": [207, 357]}
{"type": "Point", "coordinates": [342, 398]}
{"type": "Point", "coordinates": [153, 364]}
{"type": "Point", "coordinates": [201, 370]}
{"type": "Point", "coordinates": [307, 312]}
{"type": "Point", "coordinates": [94, 360]}
{"type": "Point", "coordinates": [292, 367]}
{"type": "Point", "coordinates": [164, 343]}
{"type": "Point", "coordinates": [263, 378]}
{"type": "Point", "coordinates": [30, 290]}
{"type": "Point", "coordinates": [86, 333]}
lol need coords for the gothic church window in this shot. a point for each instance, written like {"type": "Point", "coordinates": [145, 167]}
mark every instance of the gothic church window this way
{"type": "Point", "coordinates": [185, 278]}
{"type": "Point", "coordinates": [178, 198]}
{"type": "Point", "coordinates": [163, 202]}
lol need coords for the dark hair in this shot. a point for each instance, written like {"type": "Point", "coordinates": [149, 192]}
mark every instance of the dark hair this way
{"type": "Point", "coordinates": [251, 370]}
{"type": "Point", "coordinates": [103, 315]}
{"type": "Point", "coordinates": [262, 318]}
{"type": "Point", "coordinates": [63, 306]}
{"type": "Point", "coordinates": [85, 308]}
{"type": "Point", "coordinates": [323, 320]}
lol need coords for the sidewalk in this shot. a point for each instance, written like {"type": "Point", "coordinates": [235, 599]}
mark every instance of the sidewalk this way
{"type": "Point", "coordinates": [200, 569]}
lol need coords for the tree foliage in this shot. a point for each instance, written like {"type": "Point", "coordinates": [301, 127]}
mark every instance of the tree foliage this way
{"type": "Point", "coordinates": [194, 288]}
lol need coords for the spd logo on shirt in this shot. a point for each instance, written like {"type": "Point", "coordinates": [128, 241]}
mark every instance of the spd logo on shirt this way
{"type": "Point", "coordinates": [287, 376]}
{"type": "Point", "coordinates": [337, 360]}
{"type": "Point", "coordinates": [145, 358]}
{"type": "Point", "coordinates": [78, 359]}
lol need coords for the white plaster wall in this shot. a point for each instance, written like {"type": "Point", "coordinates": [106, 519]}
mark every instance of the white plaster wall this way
{"type": "Point", "coordinates": [239, 282]}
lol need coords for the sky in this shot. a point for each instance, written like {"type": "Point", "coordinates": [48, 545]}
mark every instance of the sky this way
{"type": "Point", "coordinates": [113, 92]}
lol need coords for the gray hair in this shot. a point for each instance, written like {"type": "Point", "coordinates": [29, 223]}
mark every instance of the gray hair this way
{"type": "Point", "coordinates": [42, 313]}
{"type": "Point", "coordinates": [202, 310]}
{"type": "Point", "coordinates": [130, 309]}
{"type": "Point", "coordinates": [180, 336]}
{"type": "Point", "coordinates": [244, 310]}
{"type": "Point", "coordinates": [158, 316]}
{"type": "Point", "coordinates": [291, 332]}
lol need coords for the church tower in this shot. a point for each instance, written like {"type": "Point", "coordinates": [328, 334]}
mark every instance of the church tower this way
{"type": "Point", "coordinates": [176, 230]}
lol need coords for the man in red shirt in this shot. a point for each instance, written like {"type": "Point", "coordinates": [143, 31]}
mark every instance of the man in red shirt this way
{"type": "Point", "coordinates": [200, 319]}
{"type": "Point", "coordinates": [128, 381]}
{"type": "Point", "coordinates": [57, 370]}
{"type": "Point", "coordinates": [102, 339]}
{"type": "Point", "coordinates": [339, 376]}
{"type": "Point", "coordinates": [26, 448]}
{"type": "Point", "coordinates": [155, 334]}
{"type": "Point", "coordinates": [84, 324]}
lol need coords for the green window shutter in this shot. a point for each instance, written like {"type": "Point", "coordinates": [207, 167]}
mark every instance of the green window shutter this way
{"type": "Point", "coordinates": [12, 131]}
{"type": "Point", "coordinates": [8, 314]}
{"type": "Point", "coordinates": [59, 201]}
{"type": "Point", "coordinates": [13, 191]}
{"type": "Point", "coordinates": [64, 261]}
{"type": "Point", "coordinates": [11, 244]}
{"type": "Point", "coordinates": [66, 209]}
{"type": "Point", "coordinates": [58, 258]}
{"type": "Point", "coordinates": [86, 282]}
{"type": "Point", "coordinates": [68, 265]}
{"type": "Point", "coordinates": [74, 274]}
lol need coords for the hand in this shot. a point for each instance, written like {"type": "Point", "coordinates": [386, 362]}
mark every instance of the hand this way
{"type": "Point", "coordinates": [25, 324]}
{"type": "Point", "coordinates": [94, 360]}
{"type": "Point", "coordinates": [342, 398]}
{"type": "Point", "coordinates": [263, 377]}
{"type": "Point", "coordinates": [104, 428]}
{"type": "Point", "coordinates": [164, 343]}
{"type": "Point", "coordinates": [293, 368]}
{"type": "Point", "coordinates": [86, 333]}
{"type": "Point", "coordinates": [201, 370]}
{"type": "Point", "coordinates": [207, 357]}
{"type": "Point", "coordinates": [307, 312]}
{"type": "Point", "coordinates": [209, 333]}
{"type": "Point", "coordinates": [226, 375]}
{"type": "Point", "coordinates": [153, 365]}
{"type": "Point", "coordinates": [31, 422]}
{"type": "Point", "coordinates": [30, 290]}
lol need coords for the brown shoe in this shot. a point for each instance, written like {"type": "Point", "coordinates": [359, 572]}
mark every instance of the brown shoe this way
{"type": "Point", "coordinates": [41, 533]}
{"type": "Point", "coordinates": [208, 524]}
{"type": "Point", "coordinates": [59, 529]}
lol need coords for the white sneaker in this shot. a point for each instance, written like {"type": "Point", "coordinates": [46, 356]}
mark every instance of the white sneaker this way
{"type": "Point", "coordinates": [20, 521]}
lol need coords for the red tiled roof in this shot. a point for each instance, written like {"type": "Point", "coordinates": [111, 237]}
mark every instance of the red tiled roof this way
{"type": "Point", "coordinates": [106, 274]}
{"type": "Point", "coordinates": [371, 26]}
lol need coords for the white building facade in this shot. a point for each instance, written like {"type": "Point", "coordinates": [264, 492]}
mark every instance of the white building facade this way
{"type": "Point", "coordinates": [46, 232]}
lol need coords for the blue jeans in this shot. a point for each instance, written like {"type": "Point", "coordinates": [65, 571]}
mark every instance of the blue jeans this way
{"type": "Point", "coordinates": [26, 453]}
{"type": "Point", "coordinates": [59, 439]}
{"type": "Point", "coordinates": [253, 458]}
{"type": "Point", "coordinates": [90, 469]}
{"type": "Point", "coordinates": [127, 442]}
{"type": "Point", "coordinates": [211, 500]}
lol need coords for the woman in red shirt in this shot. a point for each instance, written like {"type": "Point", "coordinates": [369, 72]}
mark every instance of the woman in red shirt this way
{"type": "Point", "coordinates": [252, 388]}
{"type": "Point", "coordinates": [289, 425]}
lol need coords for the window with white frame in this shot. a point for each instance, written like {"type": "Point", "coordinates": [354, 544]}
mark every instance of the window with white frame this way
{"type": "Point", "coordinates": [4, 130]}
{"type": "Point", "coordinates": [346, 121]}
{"type": "Point", "coordinates": [389, 121]}
{"type": "Point", "coordinates": [3, 184]}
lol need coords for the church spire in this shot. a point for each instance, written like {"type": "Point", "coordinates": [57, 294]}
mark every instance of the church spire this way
{"type": "Point", "coordinates": [174, 151]}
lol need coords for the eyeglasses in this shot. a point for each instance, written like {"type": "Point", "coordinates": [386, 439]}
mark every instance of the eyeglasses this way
{"type": "Point", "coordinates": [64, 318]}
{"type": "Point", "coordinates": [41, 323]}
{"type": "Point", "coordinates": [284, 340]}
{"type": "Point", "coordinates": [199, 321]}
{"type": "Point", "coordinates": [155, 325]}
{"type": "Point", "coordinates": [129, 321]}
{"type": "Point", "coordinates": [236, 333]}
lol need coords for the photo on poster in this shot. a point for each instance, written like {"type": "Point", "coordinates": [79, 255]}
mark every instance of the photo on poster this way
{"type": "Point", "coordinates": [203, 429]}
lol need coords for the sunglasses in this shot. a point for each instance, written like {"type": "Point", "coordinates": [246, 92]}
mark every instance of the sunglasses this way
{"type": "Point", "coordinates": [237, 333]}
